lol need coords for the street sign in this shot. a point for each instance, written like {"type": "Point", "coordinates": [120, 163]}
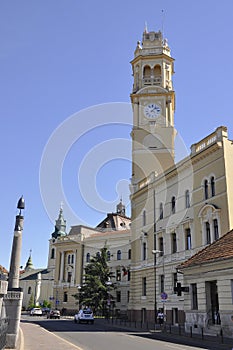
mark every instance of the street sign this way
{"type": "Point", "coordinates": [164, 296]}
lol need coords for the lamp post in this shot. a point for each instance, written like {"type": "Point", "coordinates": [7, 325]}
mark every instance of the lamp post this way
{"type": "Point", "coordinates": [108, 284]}
{"type": "Point", "coordinates": [155, 252]}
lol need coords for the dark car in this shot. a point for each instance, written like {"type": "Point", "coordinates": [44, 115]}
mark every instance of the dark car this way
{"type": "Point", "coordinates": [53, 314]}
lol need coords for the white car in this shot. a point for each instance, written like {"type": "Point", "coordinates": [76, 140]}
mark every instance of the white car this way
{"type": "Point", "coordinates": [84, 316]}
{"type": "Point", "coordinates": [36, 311]}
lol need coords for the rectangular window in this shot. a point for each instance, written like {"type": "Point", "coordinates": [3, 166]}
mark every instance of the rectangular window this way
{"type": "Point", "coordinates": [216, 234]}
{"type": "Point", "coordinates": [188, 245]}
{"type": "Point", "coordinates": [144, 286]}
{"type": "Point", "coordinates": [65, 297]}
{"type": "Point", "coordinates": [128, 275]}
{"type": "Point", "coordinates": [69, 277]}
{"type": "Point", "coordinates": [174, 243]}
{"type": "Point", "coordinates": [118, 275]}
{"type": "Point", "coordinates": [144, 251]}
{"type": "Point", "coordinates": [161, 283]}
{"type": "Point", "coordinates": [128, 296]}
{"type": "Point", "coordinates": [161, 248]}
{"type": "Point", "coordinates": [194, 296]}
{"type": "Point", "coordinates": [208, 237]}
{"type": "Point", "coordinates": [174, 281]}
{"type": "Point", "coordinates": [118, 296]}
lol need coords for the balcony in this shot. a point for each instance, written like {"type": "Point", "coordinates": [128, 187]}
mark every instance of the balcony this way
{"type": "Point", "coordinates": [152, 80]}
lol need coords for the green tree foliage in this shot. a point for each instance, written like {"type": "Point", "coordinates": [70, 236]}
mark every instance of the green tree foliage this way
{"type": "Point", "coordinates": [96, 289]}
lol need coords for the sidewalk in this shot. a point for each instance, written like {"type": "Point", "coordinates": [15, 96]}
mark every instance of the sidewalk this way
{"type": "Point", "coordinates": [34, 337]}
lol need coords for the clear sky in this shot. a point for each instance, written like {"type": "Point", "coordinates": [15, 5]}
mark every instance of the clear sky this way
{"type": "Point", "coordinates": [58, 57]}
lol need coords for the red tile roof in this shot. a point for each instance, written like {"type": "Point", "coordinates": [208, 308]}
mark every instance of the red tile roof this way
{"type": "Point", "coordinates": [3, 270]}
{"type": "Point", "coordinates": [219, 250]}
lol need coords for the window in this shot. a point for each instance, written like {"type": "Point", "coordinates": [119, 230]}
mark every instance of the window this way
{"type": "Point", "coordinates": [128, 296]}
{"type": "Point", "coordinates": [188, 245]}
{"type": "Point", "coordinates": [108, 255]}
{"type": "Point", "coordinates": [143, 286]}
{"type": "Point", "coordinates": [161, 211]}
{"type": "Point", "coordinates": [174, 243]}
{"type": "Point", "coordinates": [128, 275]}
{"type": "Point", "coordinates": [161, 283]}
{"type": "Point", "coordinates": [161, 247]}
{"type": "Point", "coordinates": [29, 290]}
{"type": "Point", "coordinates": [174, 281]}
{"type": "Point", "coordinates": [88, 257]}
{"type": "Point", "coordinates": [69, 259]}
{"type": "Point", "coordinates": [208, 237]}
{"type": "Point", "coordinates": [194, 296]}
{"type": "Point", "coordinates": [53, 253]}
{"type": "Point", "coordinates": [144, 251]}
{"type": "Point", "coordinates": [144, 218]}
{"type": "Point", "coordinates": [69, 277]}
{"type": "Point", "coordinates": [212, 186]}
{"type": "Point", "coordinates": [72, 258]}
{"type": "Point", "coordinates": [98, 254]}
{"type": "Point", "coordinates": [65, 297]}
{"type": "Point", "coordinates": [129, 254]}
{"type": "Point", "coordinates": [173, 205]}
{"type": "Point", "coordinates": [118, 275]}
{"type": "Point", "coordinates": [119, 254]}
{"type": "Point", "coordinates": [187, 199]}
{"type": "Point", "coordinates": [216, 234]}
{"type": "Point", "coordinates": [118, 296]}
{"type": "Point", "coordinates": [206, 189]}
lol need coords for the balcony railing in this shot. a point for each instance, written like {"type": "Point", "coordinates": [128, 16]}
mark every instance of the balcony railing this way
{"type": "Point", "coordinates": [152, 80]}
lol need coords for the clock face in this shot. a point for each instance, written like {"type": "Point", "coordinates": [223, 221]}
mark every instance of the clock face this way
{"type": "Point", "coordinates": [152, 110]}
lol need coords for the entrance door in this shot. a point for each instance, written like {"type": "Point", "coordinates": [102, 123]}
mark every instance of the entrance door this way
{"type": "Point", "coordinates": [212, 302]}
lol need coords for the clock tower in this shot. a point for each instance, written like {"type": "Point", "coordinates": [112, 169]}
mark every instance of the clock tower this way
{"type": "Point", "coordinates": [153, 101]}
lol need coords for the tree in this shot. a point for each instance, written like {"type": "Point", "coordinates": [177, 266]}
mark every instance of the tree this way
{"type": "Point", "coordinates": [95, 291]}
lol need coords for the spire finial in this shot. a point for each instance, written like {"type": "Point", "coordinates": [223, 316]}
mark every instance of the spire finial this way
{"type": "Point", "coordinates": [145, 29]}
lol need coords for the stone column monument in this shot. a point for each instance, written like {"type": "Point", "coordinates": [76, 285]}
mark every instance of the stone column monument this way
{"type": "Point", "coordinates": [13, 298]}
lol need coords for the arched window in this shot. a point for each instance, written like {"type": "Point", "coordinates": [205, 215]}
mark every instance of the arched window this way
{"type": "Point", "coordinates": [173, 205]}
{"type": "Point", "coordinates": [208, 237]}
{"type": "Point", "coordinates": [161, 211]}
{"type": "Point", "coordinates": [144, 218]}
{"type": "Point", "coordinates": [216, 234]}
{"type": "Point", "coordinates": [72, 258]}
{"type": "Point", "coordinates": [29, 290]}
{"type": "Point", "coordinates": [88, 256]}
{"type": "Point", "coordinates": [157, 70]}
{"type": "Point", "coordinates": [65, 297]}
{"type": "Point", "coordinates": [206, 189]}
{"type": "Point", "coordinates": [187, 199]}
{"type": "Point", "coordinates": [98, 254]}
{"type": "Point", "coordinates": [108, 255]}
{"type": "Point", "coordinates": [212, 185]}
{"type": "Point", "coordinates": [69, 259]}
{"type": "Point", "coordinates": [147, 72]}
{"type": "Point", "coordinates": [52, 253]}
{"type": "Point", "coordinates": [119, 254]}
{"type": "Point", "coordinates": [129, 254]}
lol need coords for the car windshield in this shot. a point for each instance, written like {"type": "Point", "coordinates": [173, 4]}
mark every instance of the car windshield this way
{"type": "Point", "coordinates": [87, 312]}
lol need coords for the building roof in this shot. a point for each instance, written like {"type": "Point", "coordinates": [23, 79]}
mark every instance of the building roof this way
{"type": "Point", "coordinates": [221, 249]}
{"type": "Point", "coordinates": [3, 270]}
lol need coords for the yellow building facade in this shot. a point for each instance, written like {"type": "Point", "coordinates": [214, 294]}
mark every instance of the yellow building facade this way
{"type": "Point", "coordinates": [177, 207]}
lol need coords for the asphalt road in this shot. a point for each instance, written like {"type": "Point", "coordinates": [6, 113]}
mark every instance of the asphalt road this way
{"type": "Point", "coordinates": [103, 336]}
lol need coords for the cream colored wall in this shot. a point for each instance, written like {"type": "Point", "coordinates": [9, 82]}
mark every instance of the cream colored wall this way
{"type": "Point", "coordinates": [228, 152]}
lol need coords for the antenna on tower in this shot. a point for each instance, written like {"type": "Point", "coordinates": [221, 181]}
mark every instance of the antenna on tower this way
{"type": "Point", "coordinates": [163, 17]}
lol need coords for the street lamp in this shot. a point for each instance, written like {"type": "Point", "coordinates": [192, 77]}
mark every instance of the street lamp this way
{"type": "Point", "coordinates": [108, 284]}
{"type": "Point", "coordinates": [155, 252]}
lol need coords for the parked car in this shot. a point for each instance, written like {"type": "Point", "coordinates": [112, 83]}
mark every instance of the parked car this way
{"type": "Point", "coordinates": [36, 311]}
{"type": "Point", "coordinates": [53, 314]}
{"type": "Point", "coordinates": [84, 316]}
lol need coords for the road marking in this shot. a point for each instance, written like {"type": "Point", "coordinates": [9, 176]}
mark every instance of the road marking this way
{"type": "Point", "coordinates": [64, 340]}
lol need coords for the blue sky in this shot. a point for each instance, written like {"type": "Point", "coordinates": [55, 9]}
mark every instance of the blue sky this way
{"type": "Point", "coordinates": [60, 57]}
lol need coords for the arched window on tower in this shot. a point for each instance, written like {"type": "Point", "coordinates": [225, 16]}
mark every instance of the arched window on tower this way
{"type": "Point", "coordinates": [52, 253]}
{"type": "Point", "coordinates": [206, 189]}
{"type": "Point", "coordinates": [147, 75]}
{"type": "Point", "coordinates": [144, 218]}
{"type": "Point", "coordinates": [88, 256]}
{"type": "Point", "coordinates": [212, 185]}
{"type": "Point", "coordinates": [29, 290]}
{"type": "Point", "coordinates": [157, 75]}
